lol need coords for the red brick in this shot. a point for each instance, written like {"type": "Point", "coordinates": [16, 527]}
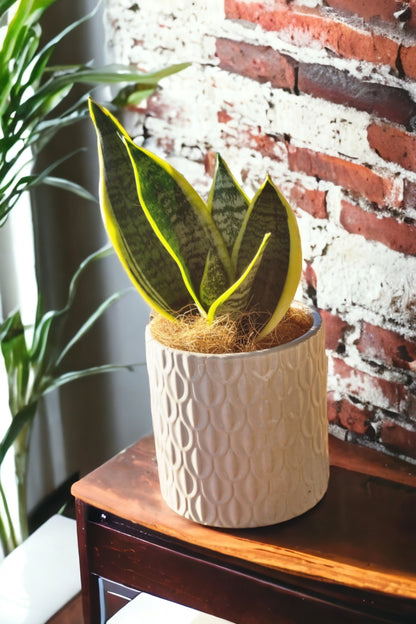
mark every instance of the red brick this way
{"type": "Point", "coordinates": [368, 10]}
{"type": "Point", "coordinates": [335, 329]}
{"type": "Point", "coordinates": [358, 179]}
{"type": "Point", "coordinates": [360, 384]}
{"type": "Point", "coordinates": [268, 145]}
{"type": "Point", "coordinates": [210, 161]}
{"type": "Point", "coordinates": [409, 194]}
{"type": "Point", "coordinates": [393, 144]}
{"type": "Point", "coordinates": [271, 146]}
{"type": "Point", "coordinates": [223, 116]}
{"type": "Point", "coordinates": [305, 26]}
{"type": "Point", "coordinates": [332, 408]}
{"type": "Point", "coordinates": [341, 87]}
{"type": "Point", "coordinates": [387, 230]}
{"type": "Point", "coordinates": [408, 60]}
{"type": "Point", "coordinates": [397, 12]}
{"type": "Point", "coordinates": [399, 439]}
{"type": "Point", "coordinates": [312, 201]}
{"type": "Point", "coordinates": [309, 276]}
{"type": "Point", "coordinates": [387, 347]}
{"type": "Point", "coordinates": [355, 417]}
{"type": "Point", "coordinates": [261, 63]}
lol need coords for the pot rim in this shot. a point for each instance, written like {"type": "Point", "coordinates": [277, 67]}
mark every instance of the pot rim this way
{"type": "Point", "coordinates": [312, 331]}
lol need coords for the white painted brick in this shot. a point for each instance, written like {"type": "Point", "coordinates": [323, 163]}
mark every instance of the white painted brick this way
{"type": "Point", "coordinates": [362, 279]}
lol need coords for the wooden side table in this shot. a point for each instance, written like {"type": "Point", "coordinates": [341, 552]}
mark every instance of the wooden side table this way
{"type": "Point", "coordinates": [350, 559]}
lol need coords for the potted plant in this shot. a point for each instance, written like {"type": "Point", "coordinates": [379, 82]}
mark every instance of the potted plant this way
{"type": "Point", "coordinates": [36, 103]}
{"type": "Point", "coordinates": [237, 370]}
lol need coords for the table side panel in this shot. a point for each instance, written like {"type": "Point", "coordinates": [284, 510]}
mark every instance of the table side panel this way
{"type": "Point", "coordinates": [151, 564]}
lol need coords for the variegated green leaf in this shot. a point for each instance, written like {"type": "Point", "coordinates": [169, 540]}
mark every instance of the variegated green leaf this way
{"type": "Point", "coordinates": [278, 276]}
{"type": "Point", "coordinates": [180, 219]}
{"type": "Point", "coordinates": [214, 281]}
{"type": "Point", "coordinates": [149, 265]}
{"type": "Point", "coordinates": [237, 297]}
{"type": "Point", "coordinates": [227, 203]}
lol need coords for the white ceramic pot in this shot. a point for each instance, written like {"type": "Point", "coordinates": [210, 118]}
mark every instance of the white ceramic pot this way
{"type": "Point", "coordinates": [241, 439]}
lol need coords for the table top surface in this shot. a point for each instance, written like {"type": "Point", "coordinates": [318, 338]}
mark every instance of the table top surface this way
{"type": "Point", "coordinates": [362, 534]}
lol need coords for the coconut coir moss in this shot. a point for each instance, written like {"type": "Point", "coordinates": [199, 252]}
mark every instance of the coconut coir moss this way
{"type": "Point", "coordinates": [226, 335]}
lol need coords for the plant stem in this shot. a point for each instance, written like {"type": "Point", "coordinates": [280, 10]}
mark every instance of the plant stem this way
{"type": "Point", "coordinates": [21, 457]}
{"type": "Point", "coordinates": [8, 538]}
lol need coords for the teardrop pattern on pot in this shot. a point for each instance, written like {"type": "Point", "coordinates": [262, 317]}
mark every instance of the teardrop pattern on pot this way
{"type": "Point", "coordinates": [241, 440]}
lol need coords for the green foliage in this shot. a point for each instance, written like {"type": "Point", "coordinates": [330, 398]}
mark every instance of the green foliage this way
{"type": "Point", "coordinates": [34, 96]}
{"type": "Point", "coordinates": [34, 362]}
{"type": "Point", "coordinates": [34, 106]}
{"type": "Point", "coordinates": [224, 257]}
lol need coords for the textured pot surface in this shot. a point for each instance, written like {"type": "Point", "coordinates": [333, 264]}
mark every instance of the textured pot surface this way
{"type": "Point", "coordinates": [241, 439]}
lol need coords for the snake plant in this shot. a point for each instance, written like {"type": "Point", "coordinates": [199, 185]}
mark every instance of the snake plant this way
{"type": "Point", "coordinates": [226, 256]}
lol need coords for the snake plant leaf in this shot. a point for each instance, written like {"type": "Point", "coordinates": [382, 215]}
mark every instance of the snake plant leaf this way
{"type": "Point", "coordinates": [227, 203]}
{"type": "Point", "coordinates": [278, 276]}
{"type": "Point", "coordinates": [134, 240]}
{"type": "Point", "coordinates": [214, 281]}
{"type": "Point", "coordinates": [181, 221]}
{"type": "Point", "coordinates": [237, 297]}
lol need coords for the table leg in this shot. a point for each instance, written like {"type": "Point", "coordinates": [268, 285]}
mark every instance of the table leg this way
{"type": "Point", "coordinates": [89, 582]}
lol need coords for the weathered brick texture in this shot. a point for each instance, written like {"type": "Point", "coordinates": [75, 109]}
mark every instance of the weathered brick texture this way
{"type": "Point", "coordinates": [314, 26]}
{"type": "Point", "coordinates": [393, 11]}
{"type": "Point", "coordinates": [387, 230]}
{"type": "Point", "coordinates": [322, 96]}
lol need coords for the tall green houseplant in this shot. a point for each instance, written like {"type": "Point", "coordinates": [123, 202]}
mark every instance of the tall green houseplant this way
{"type": "Point", "coordinates": [34, 106]}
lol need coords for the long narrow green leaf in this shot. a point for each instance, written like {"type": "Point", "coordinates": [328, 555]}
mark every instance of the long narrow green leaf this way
{"type": "Point", "coordinates": [18, 423]}
{"type": "Point", "coordinates": [67, 185]}
{"type": "Point", "coordinates": [30, 181]}
{"type": "Point", "coordinates": [132, 96]}
{"type": "Point", "coordinates": [214, 280]}
{"type": "Point", "coordinates": [278, 276]}
{"type": "Point", "coordinates": [180, 219]}
{"type": "Point", "coordinates": [43, 321]}
{"type": "Point", "coordinates": [28, 12]}
{"type": "Point", "coordinates": [116, 74]}
{"type": "Point", "coordinates": [237, 297]}
{"type": "Point", "coordinates": [66, 378]}
{"type": "Point", "coordinates": [5, 6]}
{"type": "Point", "coordinates": [84, 329]}
{"type": "Point", "coordinates": [227, 203]}
{"type": "Point", "coordinates": [42, 102]}
{"type": "Point", "coordinates": [133, 238]}
{"type": "Point", "coordinates": [16, 360]}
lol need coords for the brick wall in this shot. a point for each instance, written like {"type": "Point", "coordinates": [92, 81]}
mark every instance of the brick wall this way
{"type": "Point", "coordinates": [322, 95]}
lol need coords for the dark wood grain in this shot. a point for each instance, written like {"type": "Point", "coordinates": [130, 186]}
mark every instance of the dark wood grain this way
{"type": "Point", "coordinates": [71, 613]}
{"type": "Point", "coordinates": [360, 535]}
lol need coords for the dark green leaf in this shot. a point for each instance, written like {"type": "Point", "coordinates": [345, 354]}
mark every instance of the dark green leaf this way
{"type": "Point", "coordinates": [227, 203]}
{"type": "Point", "coordinates": [279, 273]}
{"type": "Point", "coordinates": [136, 243]}
{"type": "Point", "coordinates": [181, 221]}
